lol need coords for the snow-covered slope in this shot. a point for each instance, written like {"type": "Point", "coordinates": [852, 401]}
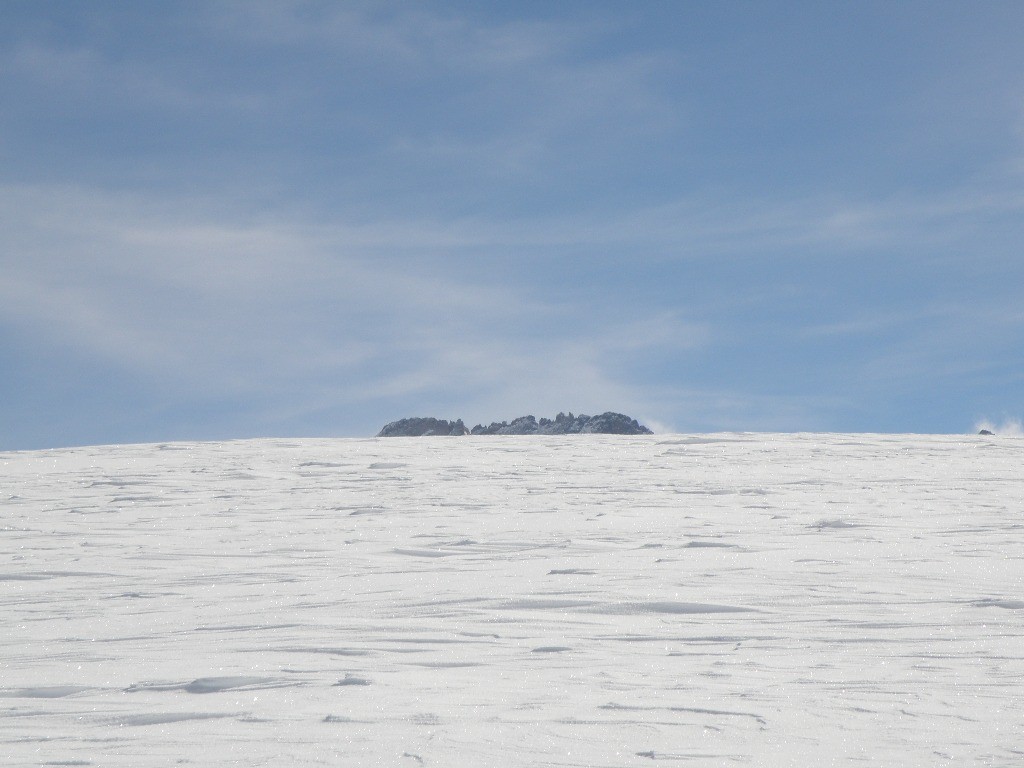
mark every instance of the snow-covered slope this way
{"type": "Point", "coordinates": [553, 601]}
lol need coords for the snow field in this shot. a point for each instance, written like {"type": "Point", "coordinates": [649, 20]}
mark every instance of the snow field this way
{"type": "Point", "coordinates": [515, 601]}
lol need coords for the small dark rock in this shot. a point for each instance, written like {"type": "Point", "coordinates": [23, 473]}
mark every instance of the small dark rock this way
{"type": "Point", "coordinates": [986, 432]}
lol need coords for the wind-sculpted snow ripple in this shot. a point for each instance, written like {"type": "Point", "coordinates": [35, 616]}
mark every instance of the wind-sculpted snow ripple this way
{"type": "Point", "coordinates": [601, 601]}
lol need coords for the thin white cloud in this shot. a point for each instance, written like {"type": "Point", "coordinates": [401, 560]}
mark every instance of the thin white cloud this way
{"type": "Point", "coordinates": [664, 330]}
{"type": "Point", "coordinates": [511, 97]}
{"type": "Point", "coordinates": [394, 35]}
{"type": "Point", "coordinates": [238, 308]}
{"type": "Point", "coordinates": [700, 225]}
{"type": "Point", "coordinates": [228, 301]}
{"type": "Point", "coordinates": [87, 75]}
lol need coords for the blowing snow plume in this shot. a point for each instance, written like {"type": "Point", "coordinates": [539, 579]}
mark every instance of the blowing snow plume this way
{"type": "Point", "coordinates": [1009, 428]}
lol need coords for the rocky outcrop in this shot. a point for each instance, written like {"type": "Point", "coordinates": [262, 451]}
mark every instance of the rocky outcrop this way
{"type": "Point", "coordinates": [422, 427]}
{"type": "Point", "coordinates": [607, 423]}
{"type": "Point", "coordinates": [524, 425]}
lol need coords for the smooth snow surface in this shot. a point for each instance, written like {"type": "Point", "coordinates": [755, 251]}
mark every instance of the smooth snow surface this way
{"type": "Point", "coordinates": [565, 601]}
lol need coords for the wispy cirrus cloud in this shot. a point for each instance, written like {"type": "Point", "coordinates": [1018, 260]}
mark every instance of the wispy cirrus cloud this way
{"type": "Point", "coordinates": [513, 96]}
{"type": "Point", "coordinates": [242, 307]}
{"type": "Point", "coordinates": [229, 300]}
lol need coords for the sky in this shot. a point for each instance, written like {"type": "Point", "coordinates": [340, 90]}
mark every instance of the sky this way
{"type": "Point", "coordinates": [226, 220]}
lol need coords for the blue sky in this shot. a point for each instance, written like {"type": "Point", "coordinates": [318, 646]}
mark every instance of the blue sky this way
{"type": "Point", "coordinates": [241, 219]}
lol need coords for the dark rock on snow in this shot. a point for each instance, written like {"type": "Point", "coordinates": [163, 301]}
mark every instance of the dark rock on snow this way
{"type": "Point", "coordinates": [614, 424]}
{"type": "Point", "coordinates": [986, 432]}
{"type": "Point", "coordinates": [421, 427]}
{"type": "Point", "coordinates": [604, 424]}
